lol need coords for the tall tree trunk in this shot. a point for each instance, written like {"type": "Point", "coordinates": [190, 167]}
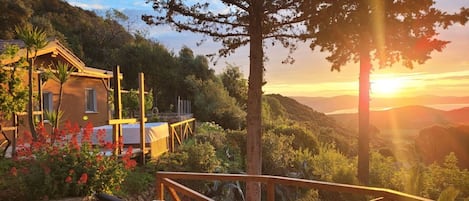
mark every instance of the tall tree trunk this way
{"type": "Point", "coordinates": [32, 127]}
{"type": "Point", "coordinates": [254, 121]}
{"type": "Point", "coordinates": [364, 98]}
{"type": "Point", "coordinates": [59, 105]}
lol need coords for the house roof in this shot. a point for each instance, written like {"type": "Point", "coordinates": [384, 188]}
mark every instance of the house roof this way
{"type": "Point", "coordinates": [55, 48]}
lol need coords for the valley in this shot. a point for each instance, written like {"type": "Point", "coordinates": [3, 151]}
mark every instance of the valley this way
{"type": "Point", "coordinates": [411, 133]}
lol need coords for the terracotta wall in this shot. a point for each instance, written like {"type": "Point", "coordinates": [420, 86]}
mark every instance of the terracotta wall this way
{"type": "Point", "coordinates": [73, 102]}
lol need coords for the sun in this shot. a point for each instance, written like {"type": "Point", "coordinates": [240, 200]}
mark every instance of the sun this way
{"type": "Point", "coordinates": [386, 86]}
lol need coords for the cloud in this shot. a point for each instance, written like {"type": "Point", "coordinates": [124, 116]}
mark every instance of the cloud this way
{"type": "Point", "coordinates": [88, 6]}
{"type": "Point", "coordinates": [443, 83]}
{"type": "Point", "coordinates": [426, 76]}
{"type": "Point", "coordinates": [415, 83]}
{"type": "Point", "coordinates": [318, 89]}
{"type": "Point", "coordinates": [107, 4]}
{"type": "Point", "coordinates": [142, 4]}
{"type": "Point", "coordinates": [453, 75]}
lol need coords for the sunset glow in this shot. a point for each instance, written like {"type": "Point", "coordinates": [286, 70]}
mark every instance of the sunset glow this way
{"type": "Point", "coordinates": [386, 86]}
{"type": "Point", "coordinates": [445, 74]}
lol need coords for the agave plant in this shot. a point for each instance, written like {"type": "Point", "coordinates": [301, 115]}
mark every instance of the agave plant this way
{"type": "Point", "coordinates": [449, 194]}
{"type": "Point", "coordinates": [53, 117]}
{"type": "Point", "coordinates": [227, 190]}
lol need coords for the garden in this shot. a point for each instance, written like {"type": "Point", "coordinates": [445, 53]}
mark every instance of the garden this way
{"type": "Point", "coordinates": [64, 164]}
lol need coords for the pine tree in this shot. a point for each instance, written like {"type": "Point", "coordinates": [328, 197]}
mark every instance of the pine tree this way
{"type": "Point", "coordinates": [236, 23]}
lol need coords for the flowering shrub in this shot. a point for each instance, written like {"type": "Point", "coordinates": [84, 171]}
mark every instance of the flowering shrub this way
{"type": "Point", "coordinates": [64, 164]}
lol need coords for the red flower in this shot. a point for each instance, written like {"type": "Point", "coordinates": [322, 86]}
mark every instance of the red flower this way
{"type": "Point", "coordinates": [62, 135]}
{"type": "Point", "coordinates": [36, 145]}
{"type": "Point", "coordinates": [83, 178]}
{"type": "Point", "coordinates": [55, 151]}
{"type": "Point", "coordinates": [74, 142]}
{"type": "Point", "coordinates": [128, 162]}
{"type": "Point", "coordinates": [68, 126]}
{"type": "Point", "coordinates": [13, 171]}
{"type": "Point", "coordinates": [99, 158]}
{"type": "Point", "coordinates": [68, 179]}
{"type": "Point", "coordinates": [101, 135]}
{"type": "Point", "coordinates": [27, 137]}
{"type": "Point", "coordinates": [86, 134]}
{"type": "Point", "coordinates": [40, 128]}
{"type": "Point", "coordinates": [129, 152]}
{"type": "Point", "coordinates": [108, 145]}
{"type": "Point", "coordinates": [75, 128]}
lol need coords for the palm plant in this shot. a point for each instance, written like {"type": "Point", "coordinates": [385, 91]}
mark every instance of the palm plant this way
{"type": "Point", "coordinates": [34, 39]}
{"type": "Point", "coordinates": [61, 74]}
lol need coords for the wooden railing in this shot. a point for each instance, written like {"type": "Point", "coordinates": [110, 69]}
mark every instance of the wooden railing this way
{"type": "Point", "coordinates": [165, 180]}
{"type": "Point", "coordinates": [7, 142]}
{"type": "Point", "coordinates": [180, 131]}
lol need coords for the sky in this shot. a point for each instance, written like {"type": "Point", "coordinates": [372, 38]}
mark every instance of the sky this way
{"type": "Point", "coordinates": [445, 74]}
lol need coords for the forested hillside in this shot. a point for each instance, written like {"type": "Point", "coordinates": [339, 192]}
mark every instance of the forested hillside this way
{"type": "Point", "coordinates": [297, 141]}
{"type": "Point", "coordinates": [104, 43]}
{"type": "Point", "coordinates": [278, 108]}
{"type": "Point", "coordinates": [82, 31]}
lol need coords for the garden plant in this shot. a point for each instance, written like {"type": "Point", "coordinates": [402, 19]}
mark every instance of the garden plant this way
{"type": "Point", "coordinates": [64, 163]}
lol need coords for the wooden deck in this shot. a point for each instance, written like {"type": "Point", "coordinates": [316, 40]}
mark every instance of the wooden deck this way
{"type": "Point", "coordinates": [165, 181]}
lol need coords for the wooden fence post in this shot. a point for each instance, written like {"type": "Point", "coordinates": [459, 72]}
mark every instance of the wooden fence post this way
{"type": "Point", "coordinates": [117, 128]}
{"type": "Point", "coordinates": [141, 96]}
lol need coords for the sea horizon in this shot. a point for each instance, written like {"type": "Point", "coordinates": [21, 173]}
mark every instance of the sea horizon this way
{"type": "Point", "coordinates": [443, 107]}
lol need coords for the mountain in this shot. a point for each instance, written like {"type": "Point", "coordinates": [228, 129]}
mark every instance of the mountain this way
{"type": "Point", "coordinates": [328, 104]}
{"type": "Point", "coordinates": [433, 144]}
{"type": "Point", "coordinates": [408, 117]}
{"type": "Point", "coordinates": [398, 129]}
{"type": "Point", "coordinates": [337, 103]}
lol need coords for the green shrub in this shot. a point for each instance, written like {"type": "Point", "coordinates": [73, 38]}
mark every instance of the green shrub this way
{"type": "Point", "coordinates": [211, 133]}
{"type": "Point", "coordinates": [329, 162]}
{"type": "Point", "coordinates": [332, 166]}
{"type": "Point", "coordinates": [437, 178]}
{"type": "Point", "coordinates": [192, 156]}
{"type": "Point", "coordinates": [57, 165]}
{"type": "Point", "coordinates": [277, 154]}
{"type": "Point", "coordinates": [137, 181]}
{"type": "Point", "coordinates": [383, 171]}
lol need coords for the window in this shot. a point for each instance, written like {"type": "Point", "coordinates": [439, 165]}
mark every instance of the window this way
{"type": "Point", "coordinates": [90, 99]}
{"type": "Point", "coordinates": [47, 101]}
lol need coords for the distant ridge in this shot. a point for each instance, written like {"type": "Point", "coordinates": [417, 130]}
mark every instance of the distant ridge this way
{"type": "Point", "coordinates": [331, 104]}
{"type": "Point", "coordinates": [409, 117]}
